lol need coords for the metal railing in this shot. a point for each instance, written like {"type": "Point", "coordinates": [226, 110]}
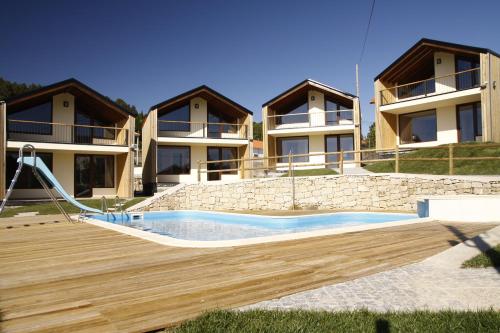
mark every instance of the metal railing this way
{"type": "Point", "coordinates": [434, 86]}
{"type": "Point", "coordinates": [36, 131]}
{"type": "Point", "coordinates": [264, 166]}
{"type": "Point", "coordinates": [310, 119]}
{"type": "Point", "coordinates": [192, 129]}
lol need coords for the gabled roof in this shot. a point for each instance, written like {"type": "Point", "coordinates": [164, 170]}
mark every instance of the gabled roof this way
{"type": "Point", "coordinates": [63, 86]}
{"type": "Point", "coordinates": [439, 45]}
{"type": "Point", "coordinates": [312, 83]}
{"type": "Point", "coordinates": [196, 91]}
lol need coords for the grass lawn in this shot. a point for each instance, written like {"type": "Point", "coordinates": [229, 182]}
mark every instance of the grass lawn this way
{"type": "Point", "coordinates": [312, 172]}
{"type": "Point", "coordinates": [491, 167]}
{"type": "Point", "coordinates": [48, 208]}
{"type": "Point", "coordinates": [490, 258]}
{"type": "Point", "coordinates": [349, 321]}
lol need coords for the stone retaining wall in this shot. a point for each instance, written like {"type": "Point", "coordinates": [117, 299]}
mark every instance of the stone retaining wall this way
{"type": "Point", "coordinates": [353, 192]}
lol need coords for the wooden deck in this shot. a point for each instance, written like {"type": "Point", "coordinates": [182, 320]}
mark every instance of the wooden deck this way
{"type": "Point", "coordinates": [59, 277]}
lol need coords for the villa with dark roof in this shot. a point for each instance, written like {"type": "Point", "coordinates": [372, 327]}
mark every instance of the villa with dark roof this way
{"type": "Point", "coordinates": [183, 133]}
{"type": "Point", "coordinates": [311, 118]}
{"type": "Point", "coordinates": [84, 138]}
{"type": "Point", "coordinates": [438, 93]}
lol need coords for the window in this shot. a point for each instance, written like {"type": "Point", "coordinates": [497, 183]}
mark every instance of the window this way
{"type": "Point", "coordinates": [104, 171]}
{"type": "Point", "coordinates": [469, 122]}
{"type": "Point", "coordinates": [85, 133]}
{"type": "Point", "coordinates": [219, 123]}
{"type": "Point", "coordinates": [27, 179]}
{"type": "Point", "coordinates": [174, 160]}
{"type": "Point", "coordinates": [418, 127]}
{"type": "Point", "coordinates": [296, 145]}
{"type": "Point", "coordinates": [223, 154]}
{"type": "Point", "coordinates": [336, 143]}
{"type": "Point", "coordinates": [469, 79]}
{"type": "Point", "coordinates": [332, 118]}
{"type": "Point", "coordinates": [175, 120]}
{"type": "Point", "coordinates": [39, 113]}
{"type": "Point", "coordinates": [296, 113]}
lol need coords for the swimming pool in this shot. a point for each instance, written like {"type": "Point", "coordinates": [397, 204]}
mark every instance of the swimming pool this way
{"type": "Point", "coordinates": [214, 226]}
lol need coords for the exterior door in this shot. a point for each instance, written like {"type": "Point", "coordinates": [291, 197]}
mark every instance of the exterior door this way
{"type": "Point", "coordinates": [213, 155]}
{"type": "Point", "coordinates": [83, 176]}
{"type": "Point", "coordinates": [82, 134]}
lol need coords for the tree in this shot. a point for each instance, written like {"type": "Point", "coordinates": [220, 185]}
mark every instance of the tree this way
{"type": "Point", "coordinates": [371, 138]}
{"type": "Point", "coordinates": [10, 88]}
{"type": "Point", "coordinates": [131, 108]}
{"type": "Point", "coordinates": [257, 131]}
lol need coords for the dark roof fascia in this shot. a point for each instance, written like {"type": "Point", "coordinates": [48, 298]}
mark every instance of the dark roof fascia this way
{"type": "Point", "coordinates": [193, 91]}
{"type": "Point", "coordinates": [274, 99]}
{"type": "Point", "coordinates": [437, 43]}
{"type": "Point", "coordinates": [71, 81]}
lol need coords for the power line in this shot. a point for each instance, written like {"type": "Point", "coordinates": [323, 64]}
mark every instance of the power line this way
{"type": "Point", "coordinates": [366, 33]}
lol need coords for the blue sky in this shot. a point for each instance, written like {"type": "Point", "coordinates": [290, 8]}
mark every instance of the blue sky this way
{"type": "Point", "coordinates": [250, 51]}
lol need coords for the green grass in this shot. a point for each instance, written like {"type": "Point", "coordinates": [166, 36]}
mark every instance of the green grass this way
{"type": "Point", "coordinates": [48, 208]}
{"type": "Point", "coordinates": [491, 167]}
{"type": "Point", "coordinates": [490, 258]}
{"type": "Point", "coordinates": [312, 172]}
{"type": "Point", "coordinates": [348, 321]}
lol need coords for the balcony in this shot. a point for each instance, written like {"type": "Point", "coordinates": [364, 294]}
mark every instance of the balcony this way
{"type": "Point", "coordinates": [189, 129]}
{"type": "Point", "coordinates": [459, 81]}
{"type": "Point", "coordinates": [44, 132]}
{"type": "Point", "coordinates": [320, 120]}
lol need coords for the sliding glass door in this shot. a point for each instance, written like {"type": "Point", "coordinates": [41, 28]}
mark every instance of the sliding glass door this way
{"type": "Point", "coordinates": [337, 143]}
{"type": "Point", "coordinates": [93, 171]}
{"type": "Point", "coordinates": [469, 122]}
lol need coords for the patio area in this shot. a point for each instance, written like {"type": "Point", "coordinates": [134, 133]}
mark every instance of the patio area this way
{"type": "Point", "coordinates": [82, 278]}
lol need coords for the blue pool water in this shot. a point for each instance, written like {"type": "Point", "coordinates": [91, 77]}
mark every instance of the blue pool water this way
{"type": "Point", "coordinates": [209, 226]}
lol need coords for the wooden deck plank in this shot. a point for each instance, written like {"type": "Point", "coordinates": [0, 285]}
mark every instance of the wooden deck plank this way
{"type": "Point", "coordinates": [132, 285]}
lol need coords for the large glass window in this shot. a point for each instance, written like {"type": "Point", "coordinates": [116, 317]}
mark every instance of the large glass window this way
{"type": "Point", "coordinates": [27, 179]}
{"type": "Point", "coordinates": [104, 170]}
{"type": "Point", "coordinates": [336, 143]}
{"type": "Point", "coordinates": [296, 113]}
{"type": "Point", "coordinates": [40, 114]}
{"type": "Point", "coordinates": [295, 145]}
{"type": "Point", "coordinates": [469, 79]}
{"type": "Point", "coordinates": [469, 122]}
{"type": "Point", "coordinates": [174, 160]}
{"type": "Point", "coordinates": [221, 154]}
{"type": "Point", "coordinates": [219, 123]}
{"type": "Point", "coordinates": [175, 120]}
{"type": "Point", "coordinates": [87, 132]}
{"type": "Point", "coordinates": [332, 117]}
{"type": "Point", "coordinates": [418, 127]}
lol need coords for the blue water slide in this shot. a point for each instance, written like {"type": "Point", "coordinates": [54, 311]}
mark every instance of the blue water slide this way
{"type": "Point", "coordinates": [42, 168]}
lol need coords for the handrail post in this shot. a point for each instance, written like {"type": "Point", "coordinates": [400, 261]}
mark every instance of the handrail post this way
{"type": "Point", "coordinates": [450, 159]}
{"type": "Point", "coordinates": [199, 171]}
{"type": "Point", "coordinates": [242, 161]}
{"type": "Point", "coordinates": [396, 160]}
{"type": "Point", "coordinates": [289, 164]}
{"type": "Point", "coordinates": [341, 162]}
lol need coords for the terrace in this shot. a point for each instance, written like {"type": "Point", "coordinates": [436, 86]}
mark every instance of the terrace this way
{"type": "Point", "coordinates": [450, 83]}
{"type": "Point", "coordinates": [78, 277]}
{"type": "Point", "coordinates": [49, 132]}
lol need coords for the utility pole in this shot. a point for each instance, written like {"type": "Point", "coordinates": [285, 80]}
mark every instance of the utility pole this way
{"type": "Point", "coordinates": [357, 80]}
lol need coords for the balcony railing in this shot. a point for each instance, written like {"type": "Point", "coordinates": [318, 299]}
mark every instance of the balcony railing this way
{"type": "Point", "coordinates": [190, 129]}
{"type": "Point", "coordinates": [440, 85]}
{"type": "Point", "coordinates": [36, 131]}
{"type": "Point", "coordinates": [310, 119]}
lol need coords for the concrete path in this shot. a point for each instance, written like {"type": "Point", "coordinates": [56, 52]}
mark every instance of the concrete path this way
{"type": "Point", "coordinates": [435, 283]}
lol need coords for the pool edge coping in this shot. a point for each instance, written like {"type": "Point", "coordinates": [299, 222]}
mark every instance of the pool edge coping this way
{"type": "Point", "coordinates": [170, 241]}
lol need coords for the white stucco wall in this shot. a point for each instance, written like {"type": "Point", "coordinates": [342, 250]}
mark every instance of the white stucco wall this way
{"type": "Point", "coordinates": [446, 67]}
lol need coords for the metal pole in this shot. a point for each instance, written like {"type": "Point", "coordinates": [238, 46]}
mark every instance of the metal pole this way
{"type": "Point", "coordinates": [357, 80]}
